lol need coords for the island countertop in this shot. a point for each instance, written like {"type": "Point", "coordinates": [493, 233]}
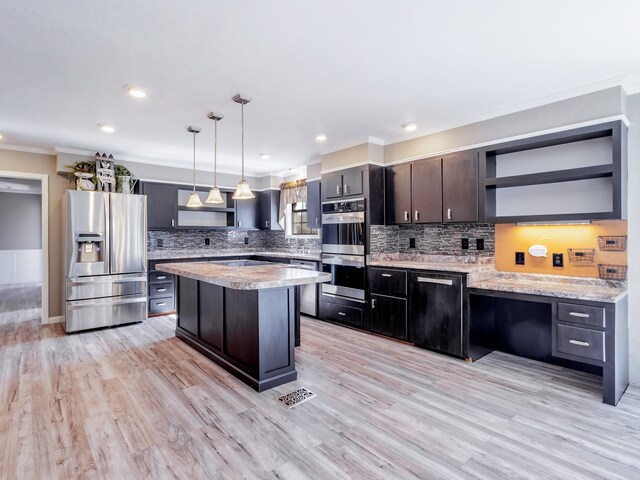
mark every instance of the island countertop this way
{"type": "Point", "coordinates": [245, 277]}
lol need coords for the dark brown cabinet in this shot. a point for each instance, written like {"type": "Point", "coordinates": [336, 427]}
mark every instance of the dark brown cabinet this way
{"type": "Point", "coordinates": [389, 316]}
{"type": "Point", "coordinates": [436, 312]}
{"type": "Point", "coordinates": [433, 190]}
{"type": "Point", "coordinates": [346, 183]}
{"type": "Point", "coordinates": [460, 187]}
{"type": "Point", "coordinates": [398, 194]}
{"type": "Point", "coordinates": [247, 213]}
{"type": "Point", "coordinates": [269, 202]}
{"type": "Point", "coordinates": [314, 213]}
{"type": "Point", "coordinates": [162, 204]}
{"type": "Point", "coordinates": [426, 191]}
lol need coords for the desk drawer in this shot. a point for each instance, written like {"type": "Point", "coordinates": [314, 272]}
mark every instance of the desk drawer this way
{"type": "Point", "coordinates": [585, 314]}
{"type": "Point", "coordinates": [388, 282]}
{"type": "Point", "coordinates": [581, 342]}
{"type": "Point", "coordinates": [160, 289]}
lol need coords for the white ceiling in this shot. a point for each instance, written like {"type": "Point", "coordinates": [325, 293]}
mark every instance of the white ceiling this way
{"type": "Point", "coordinates": [351, 69]}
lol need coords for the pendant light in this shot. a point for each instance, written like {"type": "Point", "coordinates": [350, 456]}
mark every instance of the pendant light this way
{"type": "Point", "coordinates": [243, 191]}
{"type": "Point", "coordinates": [214, 193]}
{"type": "Point", "coordinates": [194, 198]}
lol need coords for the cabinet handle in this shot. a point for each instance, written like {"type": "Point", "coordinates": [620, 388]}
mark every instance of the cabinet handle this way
{"type": "Point", "coordinates": [449, 214]}
{"type": "Point", "coordinates": [439, 281]}
{"type": "Point", "coordinates": [406, 216]}
{"type": "Point", "coordinates": [162, 289]}
{"type": "Point", "coordinates": [161, 277]}
{"type": "Point", "coordinates": [266, 223]}
{"type": "Point", "coordinates": [173, 222]}
{"type": "Point", "coordinates": [346, 189]}
{"type": "Point", "coordinates": [239, 223]}
{"type": "Point", "coordinates": [579, 314]}
{"type": "Point", "coordinates": [387, 275]}
{"type": "Point", "coordinates": [417, 215]}
{"type": "Point", "coordinates": [373, 303]}
{"type": "Point", "coordinates": [316, 222]}
{"type": "Point", "coordinates": [342, 314]}
{"type": "Point", "coordinates": [338, 191]}
{"type": "Point", "coordinates": [578, 342]}
{"type": "Point", "coordinates": [161, 304]}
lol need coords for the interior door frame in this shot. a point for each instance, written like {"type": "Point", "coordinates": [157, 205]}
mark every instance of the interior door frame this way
{"type": "Point", "coordinates": [44, 182]}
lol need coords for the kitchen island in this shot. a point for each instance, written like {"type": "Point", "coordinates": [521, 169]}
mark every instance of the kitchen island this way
{"type": "Point", "coordinates": [242, 315]}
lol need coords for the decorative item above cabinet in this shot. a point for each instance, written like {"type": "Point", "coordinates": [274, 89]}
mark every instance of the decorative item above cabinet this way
{"type": "Point", "coordinates": [577, 174]}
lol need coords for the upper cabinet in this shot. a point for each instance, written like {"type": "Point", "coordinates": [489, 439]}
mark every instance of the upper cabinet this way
{"type": "Point", "coordinates": [346, 183]}
{"type": "Point", "coordinates": [162, 204]}
{"type": "Point", "coordinates": [433, 190]}
{"type": "Point", "coordinates": [248, 213]}
{"type": "Point", "coordinates": [314, 214]}
{"type": "Point", "coordinates": [577, 174]}
{"type": "Point", "coordinates": [269, 201]}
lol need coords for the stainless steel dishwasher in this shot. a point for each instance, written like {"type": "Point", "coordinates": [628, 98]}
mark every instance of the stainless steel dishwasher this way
{"type": "Point", "coordinates": [308, 293]}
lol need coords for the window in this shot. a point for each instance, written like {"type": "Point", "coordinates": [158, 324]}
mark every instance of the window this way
{"type": "Point", "coordinates": [296, 221]}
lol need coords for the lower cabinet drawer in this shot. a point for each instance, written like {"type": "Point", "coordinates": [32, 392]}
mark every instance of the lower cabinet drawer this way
{"type": "Point", "coordinates": [160, 289]}
{"type": "Point", "coordinates": [585, 314]}
{"type": "Point", "coordinates": [580, 342]}
{"type": "Point", "coordinates": [342, 313]}
{"type": "Point", "coordinates": [156, 276]}
{"type": "Point", "coordinates": [161, 305]}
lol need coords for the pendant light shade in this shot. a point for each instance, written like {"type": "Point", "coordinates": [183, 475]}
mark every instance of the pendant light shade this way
{"type": "Point", "coordinates": [243, 191]}
{"type": "Point", "coordinates": [194, 198]}
{"type": "Point", "coordinates": [214, 193]}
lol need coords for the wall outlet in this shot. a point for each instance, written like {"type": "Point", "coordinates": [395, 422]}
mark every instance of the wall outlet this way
{"type": "Point", "coordinates": [479, 243]}
{"type": "Point", "coordinates": [412, 243]}
{"type": "Point", "coordinates": [159, 242]}
{"type": "Point", "coordinates": [207, 241]}
{"type": "Point", "coordinates": [465, 244]}
{"type": "Point", "coordinates": [558, 260]}
{"type": "Point", "coordinates": [246, 240]}
{"type": "Point", "coordinates": [519, 258]}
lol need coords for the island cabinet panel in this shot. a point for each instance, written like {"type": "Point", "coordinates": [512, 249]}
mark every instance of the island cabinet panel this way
{"type": "Point", "coordinates": [211, 304]}
{"type": "Point", "coordinates": [241, 327]}
{"type": "Point", "coordinates": [188, 305]}
{"type": "Point", "coordinates": [277, 338]}
{"type": "Point", "coordinates": [437, 312]}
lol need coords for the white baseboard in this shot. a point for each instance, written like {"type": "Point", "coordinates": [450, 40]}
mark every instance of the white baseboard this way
{"type": "Point", "coordinates": [59, 319]}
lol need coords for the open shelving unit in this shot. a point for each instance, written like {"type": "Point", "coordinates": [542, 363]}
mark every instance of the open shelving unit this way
{"type": "Point", "coordinates": [205, 216]}
{"type": "Point", "coordinates": [576, 174]}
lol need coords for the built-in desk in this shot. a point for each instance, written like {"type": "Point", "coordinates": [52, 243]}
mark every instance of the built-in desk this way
{"type": "Point", "coordinates": [586, 335]}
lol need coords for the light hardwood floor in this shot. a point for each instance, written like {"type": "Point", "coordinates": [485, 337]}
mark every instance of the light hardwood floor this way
{"type": "Point", "coordinates": [134, 402]}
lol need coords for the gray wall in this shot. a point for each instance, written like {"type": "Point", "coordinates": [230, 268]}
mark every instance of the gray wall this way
{"type": "Point", "coordinates": [20, 221]}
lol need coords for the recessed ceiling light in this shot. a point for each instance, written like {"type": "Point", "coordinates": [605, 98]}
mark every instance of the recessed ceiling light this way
{"type": "Point", "coordinates": [409, 126]}
{"type": "Point", "coordinates": [265, 156]}
{"type": "Point", "coordinates": [321, 137]}
{"type": "Point", "coordinates": [106, 128]}
{"type": "Point", "coordinates": [135, 91]}
{"type": "Point", "coordinates": [293, 170]}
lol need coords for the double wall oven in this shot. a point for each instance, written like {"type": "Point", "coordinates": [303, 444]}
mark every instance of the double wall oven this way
{"type": "Point", "coordinates": [343, 248]}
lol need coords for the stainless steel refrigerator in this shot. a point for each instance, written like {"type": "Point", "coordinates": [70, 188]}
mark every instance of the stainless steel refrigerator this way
{"type": "Point", "coordinates": [105, 259]}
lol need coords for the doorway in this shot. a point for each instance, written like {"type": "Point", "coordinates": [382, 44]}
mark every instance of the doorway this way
{"type": "Point", "coordinates": [23, 248]}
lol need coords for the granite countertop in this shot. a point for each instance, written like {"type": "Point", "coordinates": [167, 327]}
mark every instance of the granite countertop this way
{"type": "Point", "coordinates": [482, 275]}
{"type": "Point", "coordinates": [178, 254]}
{"type": "Point", "coordinates": [246, 277]}
{"type": "Point", "coordinates": [578, 288]}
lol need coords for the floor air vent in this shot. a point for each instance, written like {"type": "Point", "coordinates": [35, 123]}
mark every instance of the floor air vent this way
{"type": "Point", "coordinates": [296, 397]}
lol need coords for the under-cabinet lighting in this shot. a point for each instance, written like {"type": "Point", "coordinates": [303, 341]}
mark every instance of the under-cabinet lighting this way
{"type": "Point", "coordinates": [558, 222]}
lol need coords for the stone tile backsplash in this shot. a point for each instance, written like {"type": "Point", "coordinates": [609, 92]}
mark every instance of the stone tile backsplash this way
{"type": "Point", "coordinates": [224, 240]}
{"type": "Point", "coordinates": [434, 239]}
